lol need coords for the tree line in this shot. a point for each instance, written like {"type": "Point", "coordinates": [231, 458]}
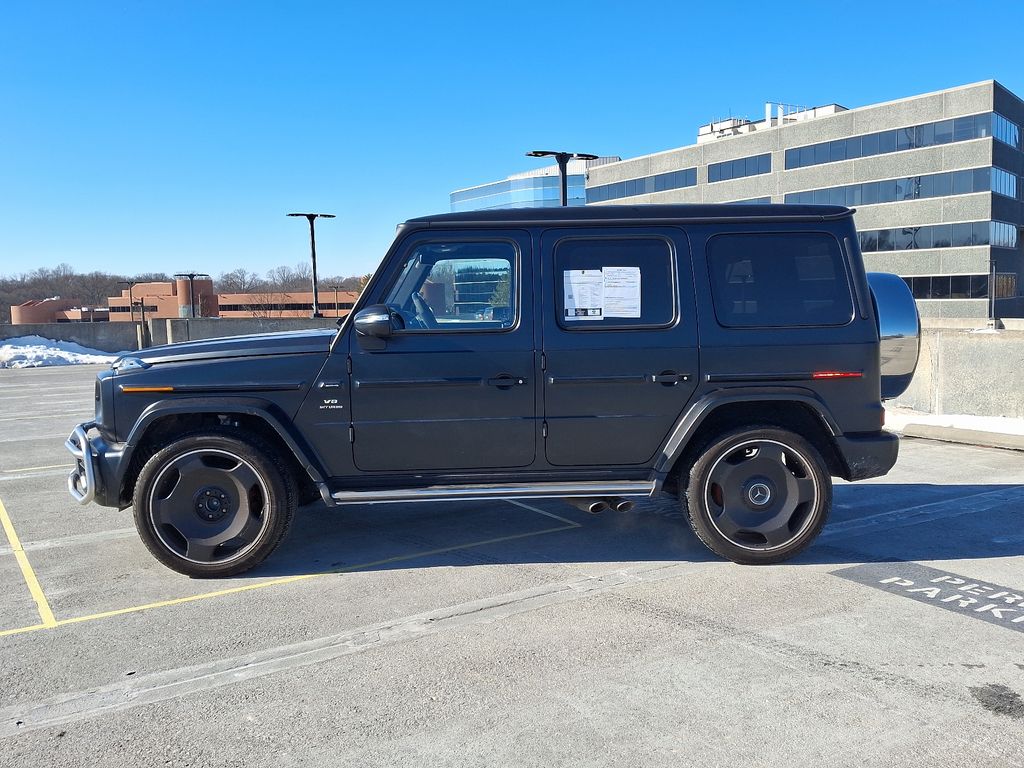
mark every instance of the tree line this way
{"type": "Point", "coordinates": [93, 288]}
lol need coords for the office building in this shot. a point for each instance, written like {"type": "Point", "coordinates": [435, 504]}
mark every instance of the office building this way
{"type": "Point", "coordinates": [935, 179]}
{"type": "Point", "coordinates": [538, 188]}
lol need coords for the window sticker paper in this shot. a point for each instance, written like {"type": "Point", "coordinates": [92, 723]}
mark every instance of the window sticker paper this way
{"type": "Point", "coordinates": [584, 294]}
{"type": "Point", "coordinates": [621, 291]}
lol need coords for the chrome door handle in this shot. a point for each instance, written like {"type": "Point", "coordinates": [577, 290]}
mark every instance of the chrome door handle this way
{"type": "Point", "coordinates": [669, 378]}
{"type": "Point", "coordinates": [506, 381]}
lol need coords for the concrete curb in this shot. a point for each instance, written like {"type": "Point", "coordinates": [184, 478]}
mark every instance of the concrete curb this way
{"type": "Point", "coordinates": [965, 436]}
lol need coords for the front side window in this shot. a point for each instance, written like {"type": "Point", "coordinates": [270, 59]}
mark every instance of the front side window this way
{"type": "Point", "coordinates": [771, 280]}
{"type": "Point", "coordinates": [457, 286]}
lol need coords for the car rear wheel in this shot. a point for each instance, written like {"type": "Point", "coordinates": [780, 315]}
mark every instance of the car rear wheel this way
{"type": "Point", "coordinates": [758, 495]}
{"type": "Point", "coordinates": [211, 504]}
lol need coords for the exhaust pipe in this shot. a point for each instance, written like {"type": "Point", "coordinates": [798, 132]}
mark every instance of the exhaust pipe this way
{"type": "Point", "coordinates": [621, 505]}
{"type": "Point", "coordinates": [593, 506]}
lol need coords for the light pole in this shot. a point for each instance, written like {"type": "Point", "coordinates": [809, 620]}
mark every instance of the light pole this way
{"type": "Point", "coordinates": [131, 302]}
{"type": "Point", "coordinates": [191, 276]}
{"type": "Point", "coordinates": [562, 158]}
{"type": "Point", "coordinates": [311, 217]}
{"type": "Point", "coordinates": [337, 310]}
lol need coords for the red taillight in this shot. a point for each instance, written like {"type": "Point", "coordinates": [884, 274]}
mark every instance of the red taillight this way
{"type": "Point", "coordinates": [836, 375]}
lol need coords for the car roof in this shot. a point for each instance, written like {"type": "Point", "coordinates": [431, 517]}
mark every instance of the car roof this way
{"type": "Point", "coordinates": [732, 212]}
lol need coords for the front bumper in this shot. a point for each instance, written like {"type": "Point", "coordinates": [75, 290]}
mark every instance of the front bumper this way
{"type": "Point", "coordinates": [870, 454]}
{"type": "Point", "coordinates": [84, 478]}
{"type": "Point", "coordinates": [96, 475]}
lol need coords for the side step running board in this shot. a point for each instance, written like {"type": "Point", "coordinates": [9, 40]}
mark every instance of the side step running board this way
{"type": "Point", "coordinates": [509, 491]}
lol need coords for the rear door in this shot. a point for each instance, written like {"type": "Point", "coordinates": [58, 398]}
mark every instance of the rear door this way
{"type": "Point", "coordinates": [619, 342]}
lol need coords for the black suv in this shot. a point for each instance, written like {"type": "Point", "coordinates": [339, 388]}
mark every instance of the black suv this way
{"type": "Point", "coordinates": [736, 356]}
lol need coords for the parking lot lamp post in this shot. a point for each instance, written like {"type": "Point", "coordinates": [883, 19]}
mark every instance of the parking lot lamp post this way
{"type": "Point", "coordinates": [311, 217]}
{"type": "Point", "coordinates": [562, 158]}
{"type": "Point", "coordinates": [131, 300]}
{"type": "Point", "coordinates": [337, 309]}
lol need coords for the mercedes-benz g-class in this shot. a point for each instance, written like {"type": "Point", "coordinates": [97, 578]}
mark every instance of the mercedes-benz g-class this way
{"type": "Point", "coordinates": [736, 356]}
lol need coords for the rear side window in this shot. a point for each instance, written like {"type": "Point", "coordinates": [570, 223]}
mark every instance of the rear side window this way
{"type": "Point", "coordinates": [614, 283]}
{"type": "Point", "coordinates": [773, 280]}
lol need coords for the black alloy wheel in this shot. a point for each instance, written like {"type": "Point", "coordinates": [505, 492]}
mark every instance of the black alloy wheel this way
{"type": "Point", "coordinates": [758, 495]}
{"type": "Point", "coordinates": [210, 504]}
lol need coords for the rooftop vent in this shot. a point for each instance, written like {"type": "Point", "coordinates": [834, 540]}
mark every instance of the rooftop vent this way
{"type": "Point", "coordinates": [784, 114]}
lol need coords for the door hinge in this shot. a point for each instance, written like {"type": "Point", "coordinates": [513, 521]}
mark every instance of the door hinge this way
{"type": "Point", "coordinates": [351, 433]}
{"type": "Point", "coordinates": [348, 364]}
{"type": "Point", "coordinates": [544, 429]}
{"type": "Point", "coordinates": [543, 361]}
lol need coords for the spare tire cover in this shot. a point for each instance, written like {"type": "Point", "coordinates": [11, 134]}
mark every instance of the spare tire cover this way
{"type": "Point", "coordinates": [899, 328]}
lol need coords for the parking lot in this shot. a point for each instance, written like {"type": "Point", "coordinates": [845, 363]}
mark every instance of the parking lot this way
{"type": "Point", "coordinates": [507, 633]}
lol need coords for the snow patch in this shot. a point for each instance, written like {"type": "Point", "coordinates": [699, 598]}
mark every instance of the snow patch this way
{"type": "Point", "coordinates": [35, 351]}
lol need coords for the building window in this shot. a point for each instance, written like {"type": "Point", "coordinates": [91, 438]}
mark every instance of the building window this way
{"type": "Point", "coordinates": [960, 235]}
{"type": "Point", "coordinates": [1004, 183]}
{"type": "Point", "coordinates": [750, 201]}
{"type": "Point", "coordinates": [913, 188]}
{"type": "Point", "coordinates": [1005, 130]}
{"type": "Point", "coordinates": [739, 168]}
{"type": "Point", "coordinates": [961, 286]}
{"type": "Point", "coordinates": [646, 185]}
{"type": "Point", "coordinates": [778, 280]}
{"type": "Point", "coordinates": [900, 139]}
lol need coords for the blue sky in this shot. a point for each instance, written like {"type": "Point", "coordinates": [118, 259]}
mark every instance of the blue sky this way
{"type": "Point", "coordinates": [144, 136]}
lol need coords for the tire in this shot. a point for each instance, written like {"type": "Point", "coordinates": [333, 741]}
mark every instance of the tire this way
{"type": "Point", "coordinates": [211, 504]}
{"type": "Point", "coordinates": [757, 495]}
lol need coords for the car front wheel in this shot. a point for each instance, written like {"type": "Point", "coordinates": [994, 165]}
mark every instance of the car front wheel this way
{"type": "Point", "coordinates": [211, 504]}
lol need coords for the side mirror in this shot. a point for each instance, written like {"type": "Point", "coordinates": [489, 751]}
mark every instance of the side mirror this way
{"type": "Point", "coordinates": [374, 321]}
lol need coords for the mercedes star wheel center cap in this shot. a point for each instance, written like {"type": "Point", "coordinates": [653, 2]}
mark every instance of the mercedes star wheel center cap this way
{"type": "Point", "coordinates": [759, 494]}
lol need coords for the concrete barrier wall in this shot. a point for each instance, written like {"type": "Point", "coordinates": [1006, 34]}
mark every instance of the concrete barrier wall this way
{"type": "Point", "coordinates": [977, 373]}
{"type": "Point", "coordinates": [120, 337]}
{"type": "Point", "coordinates": [195, 329]}
{"type": "Point", "coordinates": [106, 337]}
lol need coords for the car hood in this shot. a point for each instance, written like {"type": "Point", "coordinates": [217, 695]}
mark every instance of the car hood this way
{"type": "Point", "coordinates": [257, 344]}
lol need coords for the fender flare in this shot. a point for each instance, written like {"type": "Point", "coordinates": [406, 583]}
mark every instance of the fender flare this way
{"type": "Point", "coordinates": [698, 412]}
{"type": "Point", "coordinates": [261, 409]}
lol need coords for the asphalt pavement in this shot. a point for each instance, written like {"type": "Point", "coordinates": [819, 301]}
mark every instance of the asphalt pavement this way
{"type": "Point", "coordinates": [506, 633]}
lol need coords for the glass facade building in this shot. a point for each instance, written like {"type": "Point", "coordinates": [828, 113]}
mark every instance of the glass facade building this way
{"type": "Point", "coordinates": [936, 181]}
{"type": "Point", "coordinates": [533, 189]}
{"type": "Point", "coordinates": [534, 192]}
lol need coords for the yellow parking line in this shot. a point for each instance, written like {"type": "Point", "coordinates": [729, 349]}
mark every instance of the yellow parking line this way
{"type": "Point", "coordinates": [275, 582]}
{"type": "Point", "coordinates": [36, 469]}
{"type": "Point", "coordinates": [42, 604]}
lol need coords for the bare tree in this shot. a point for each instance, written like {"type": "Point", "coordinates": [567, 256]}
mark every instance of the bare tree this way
{"type": "Point", "coordinates": [297, 278]}
{"type": "Point", "coordinates": [238, 281]}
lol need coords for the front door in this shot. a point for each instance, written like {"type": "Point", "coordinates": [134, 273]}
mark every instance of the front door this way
{"type": "Point", "coordinates": [619, 340]}
{"type": "Point", "coordinates": [452, 388]}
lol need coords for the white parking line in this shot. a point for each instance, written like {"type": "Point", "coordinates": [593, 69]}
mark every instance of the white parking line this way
{"type": "Point", "coordinates": [75, 540]}
{"type": "Point", "coordinates": [925, 513]}
{"type": "Point", "coordinates": [542, 512]}
{"type": "Point", "coordinates": [53, 415]}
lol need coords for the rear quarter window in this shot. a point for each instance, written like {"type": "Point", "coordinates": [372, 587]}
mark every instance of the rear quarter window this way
{"type": "Point", "coordinates": [772, 280]}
